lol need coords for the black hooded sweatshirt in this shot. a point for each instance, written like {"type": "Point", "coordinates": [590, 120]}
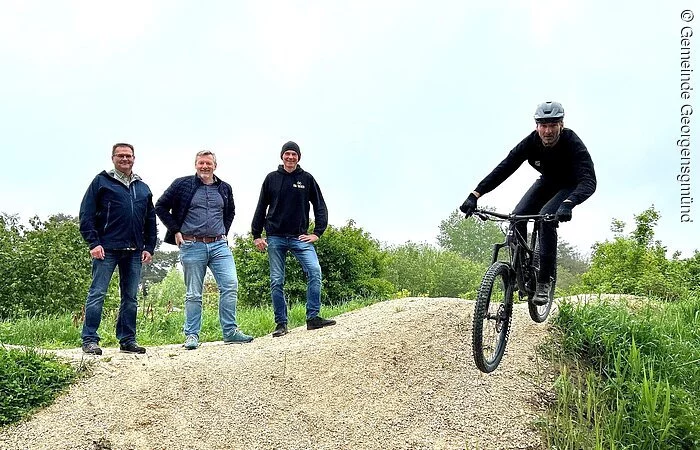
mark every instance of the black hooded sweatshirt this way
{"type": "Point", "coordinates": [283, 206]}
{"type": "Point", "coordinates": [567, 164]}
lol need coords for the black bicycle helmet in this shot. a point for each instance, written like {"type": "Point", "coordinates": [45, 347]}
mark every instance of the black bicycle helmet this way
{"type": "Point", "coordinates": [548, 112]}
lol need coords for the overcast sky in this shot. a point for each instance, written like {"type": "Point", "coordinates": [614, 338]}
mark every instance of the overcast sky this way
{"type": "Point", "coordinates": [400, 108]}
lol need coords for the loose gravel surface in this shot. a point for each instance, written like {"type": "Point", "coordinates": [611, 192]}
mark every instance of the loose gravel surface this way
{"type": "Point", "coordinates": [395, 375]}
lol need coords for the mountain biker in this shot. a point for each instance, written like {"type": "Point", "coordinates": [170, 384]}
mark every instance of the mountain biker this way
{"type": "Point", "coordinates": [567, 179]}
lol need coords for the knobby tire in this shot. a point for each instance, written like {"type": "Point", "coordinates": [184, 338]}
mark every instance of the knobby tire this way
{"type": "Point", "coordinates": [539, 313]}
{"type": "Point", "coordinates": [492, 317]}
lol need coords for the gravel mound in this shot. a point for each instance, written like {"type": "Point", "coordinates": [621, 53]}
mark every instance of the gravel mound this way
{"type": "Point", "coordinates": [395, 375]}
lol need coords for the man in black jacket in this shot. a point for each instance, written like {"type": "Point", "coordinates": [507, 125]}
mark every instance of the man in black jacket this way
{"type": "Point", "coordinates": [118, 222]}
{"type": "Point", "coordinates": [567, 179]}
{"type": "Point", "coordinates": [198, 212]}
{"type": "Point", "coordinates": [283, 211]}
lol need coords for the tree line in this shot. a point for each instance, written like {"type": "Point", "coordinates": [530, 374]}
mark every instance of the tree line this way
{"type": "Point", "coordinates": [47, 267]}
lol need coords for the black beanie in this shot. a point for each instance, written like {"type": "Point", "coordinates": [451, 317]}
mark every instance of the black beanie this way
{"type": "Point", "coordinates": [291, 146]}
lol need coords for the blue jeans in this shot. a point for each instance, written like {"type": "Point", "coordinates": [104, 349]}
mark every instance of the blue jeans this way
{"type": "Point", "coordinates": [543, 198]}
{"type": "Point", "coordinates": [195, 258]}
{"type": "Point", "coordinates": [305, 253]}
{"type": "Point", "coordinates": [129, 263]}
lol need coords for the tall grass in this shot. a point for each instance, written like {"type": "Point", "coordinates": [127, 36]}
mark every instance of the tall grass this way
{"type": "Point", "coordinates": [632, 377]}
{"type": "Point", "coordinates": [156, 325]}
{"type": "Point", "coordinates": [28, 380]}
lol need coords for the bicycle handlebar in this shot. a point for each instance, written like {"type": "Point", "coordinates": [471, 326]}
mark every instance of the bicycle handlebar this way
{"type": "Point", "coordinates": [486, 215]}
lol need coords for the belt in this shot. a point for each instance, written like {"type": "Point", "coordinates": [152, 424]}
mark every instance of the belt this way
{"type": "Point", "coordinates": [205, 239]}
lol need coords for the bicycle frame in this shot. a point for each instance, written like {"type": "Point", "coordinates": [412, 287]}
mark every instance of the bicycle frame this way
{"type": "Point", "coordinates": [521, 253]}
{"type": "Point", "coordinates": [493, 310]}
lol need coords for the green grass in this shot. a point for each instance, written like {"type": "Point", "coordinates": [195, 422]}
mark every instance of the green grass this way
{"type": "Point", "coordinates": [631, 376]}
{"type": "Point", "coordinates": [28, 380]}
{"type": "Point", "coordinates": [157, 326]}
{"type": "Point", "coordinates": [44, 332]}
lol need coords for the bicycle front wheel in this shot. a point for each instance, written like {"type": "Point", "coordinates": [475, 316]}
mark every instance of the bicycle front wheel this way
{"type": "Point", "coordinates": [492, 315]}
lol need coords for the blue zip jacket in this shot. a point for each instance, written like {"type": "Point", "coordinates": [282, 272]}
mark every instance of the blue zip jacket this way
{"type": "Point", "coordinates": [173, 205]}
{"type": "Point", "coordinates": [117, 217]}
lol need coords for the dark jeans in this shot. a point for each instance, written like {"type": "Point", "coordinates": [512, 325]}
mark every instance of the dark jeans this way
{"type": "Point", "coordinates": [129, 263]}
{"type": "Point", "coordinates": [543, 198]}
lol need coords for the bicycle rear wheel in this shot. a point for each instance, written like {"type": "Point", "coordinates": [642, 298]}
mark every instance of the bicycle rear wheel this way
{"type": "Point", "coordinates": [539, 313]}
{"type": "Point", "coordinates": [492, 315]}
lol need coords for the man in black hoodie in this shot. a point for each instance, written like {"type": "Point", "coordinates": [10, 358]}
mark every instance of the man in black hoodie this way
{"type": "Point", "coordinates": [283, 212]}
{"type": "Point", "coordinates": [567, 179]}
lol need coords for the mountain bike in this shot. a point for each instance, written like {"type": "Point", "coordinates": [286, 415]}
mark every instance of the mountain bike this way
{"type": "Point", "coordinates": [494, 303]}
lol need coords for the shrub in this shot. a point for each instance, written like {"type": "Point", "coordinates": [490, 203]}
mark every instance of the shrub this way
{"type": "Point", "coordinates": [636, 264]}
{"type": "Point", "coordinates": [46, 266]}
{"type": "Point", "coordinates": [352, 263]}
{"type": "Point", "coordinates": [472, 238]}
{"type": "Point", "coordinates": [169, 292]}
{"type": "Point", "coordinates": [424, 270]}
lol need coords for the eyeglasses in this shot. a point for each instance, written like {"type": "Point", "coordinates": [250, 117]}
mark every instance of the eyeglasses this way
{"type": "Point", "coordinates": [123, 156]}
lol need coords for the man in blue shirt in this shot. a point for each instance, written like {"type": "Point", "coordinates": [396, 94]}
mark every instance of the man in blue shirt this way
{"type": "Point", "coordinates": [118, 222]}
{"type": "Point", "coordinates": [198, 212]}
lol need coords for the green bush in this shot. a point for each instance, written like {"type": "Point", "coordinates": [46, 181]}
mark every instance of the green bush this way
{"type": "Point", "coordinates": [424, 270]}
{"type": "Point", "coordinates": [688, 270]}
{"type": "Point", "coordinates": [636, 264]}
{"type": "Point", "coordinates": [29, 380]}
{"type": "Point", "coordinates": [571, 265]}
{"type": "Point", "coordinates": [46, 266]}
{"type": "Point", "coordinates": [471, 238]}
{"type": "Point", "coordinates": [352, 263]}
{"type": "Point", "coordinates": [169, 292]}
{"type": "Point", "coordinates": [253, 271]}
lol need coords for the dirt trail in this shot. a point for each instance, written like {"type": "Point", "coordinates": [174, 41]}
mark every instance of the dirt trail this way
{"type": "Point", "coordinates": [395, 375]}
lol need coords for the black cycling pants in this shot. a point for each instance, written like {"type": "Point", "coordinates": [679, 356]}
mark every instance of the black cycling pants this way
{"type": "Point", "coordinates": [543, 198]}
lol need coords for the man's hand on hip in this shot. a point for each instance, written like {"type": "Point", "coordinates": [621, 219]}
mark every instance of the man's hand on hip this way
{"type": "Point", "coordinates": [260, 244]}
{"type": "Point", "coordinates": [310, 238]}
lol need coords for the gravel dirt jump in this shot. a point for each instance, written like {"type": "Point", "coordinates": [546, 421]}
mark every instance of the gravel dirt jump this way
{"type": "Point", "coordinates": [395, 375]}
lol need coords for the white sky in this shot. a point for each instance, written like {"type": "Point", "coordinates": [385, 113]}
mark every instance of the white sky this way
{"type": "Point", "coordinates": [400, 108]}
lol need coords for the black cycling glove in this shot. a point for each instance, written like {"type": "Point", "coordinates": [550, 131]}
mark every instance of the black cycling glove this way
{"type": "Point", "coordinates": [469, 205]}
{"type": "Point", "coordinates": [564, 212]}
